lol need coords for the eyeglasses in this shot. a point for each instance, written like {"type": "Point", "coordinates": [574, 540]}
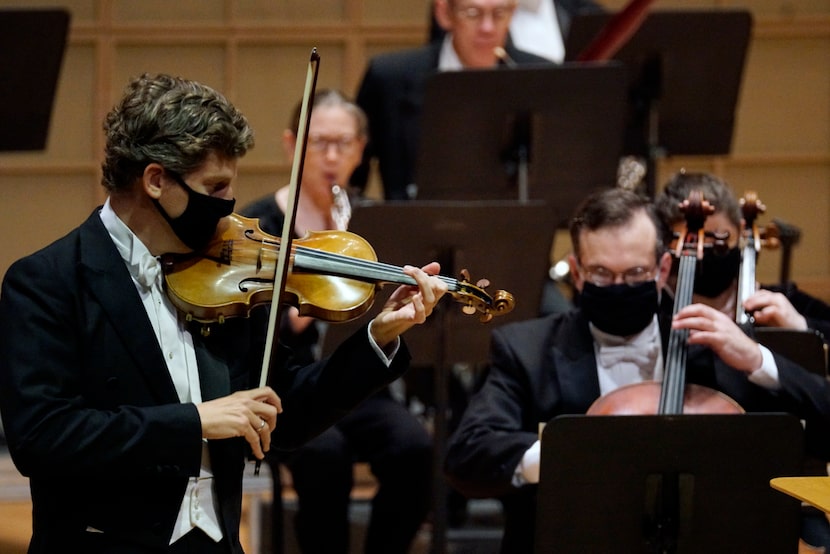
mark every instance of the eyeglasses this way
{"type": "Point", "coordinates": [474, 14]}
{"type": "Point", "coordinates": [603, 277]}
{"type": "Point", "coordinates": [341, 144]}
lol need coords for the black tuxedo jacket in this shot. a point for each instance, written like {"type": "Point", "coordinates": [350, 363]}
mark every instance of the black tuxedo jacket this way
{"type": "Point", "coordinates": [546, 367]}
{"type": "Point", "coordinates": [91, 414]}
{"type": "Point", "coordinates": [392, 95]}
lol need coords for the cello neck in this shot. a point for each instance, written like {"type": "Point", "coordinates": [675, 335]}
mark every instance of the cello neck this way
{"type": "Point", "coordinates": [746, 281]}
{"type": "Point", "coordinates": [674, 376]}
{"type": "Point", "coordinates": [689, 249]}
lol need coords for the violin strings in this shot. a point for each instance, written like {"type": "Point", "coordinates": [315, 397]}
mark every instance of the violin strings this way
{"type": "Point", "coordinates": [371, 269]}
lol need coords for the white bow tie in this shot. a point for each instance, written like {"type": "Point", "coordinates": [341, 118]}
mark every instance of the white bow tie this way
{"type": "Point", "coordinates": [642, 356]}
{"type": "Point", "coordinates": [148, 271]}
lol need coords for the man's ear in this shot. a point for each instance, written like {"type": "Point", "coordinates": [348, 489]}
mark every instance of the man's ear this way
{"type": "Point", "coordinates": [664, 269]}
{"type": "Point", "coordinates": [151, 180]}
{"type": "Point", "coordinates": [441, 9]}
{"type": "Point", "coordinates": [576, 276]}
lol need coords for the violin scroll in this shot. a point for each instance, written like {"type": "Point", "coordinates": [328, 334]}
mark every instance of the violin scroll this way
{"type": "Point", "coordinates": [475, 299]}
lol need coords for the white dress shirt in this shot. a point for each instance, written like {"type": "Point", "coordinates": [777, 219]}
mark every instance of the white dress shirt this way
{"type": "Point", "coordinates": [198, 507]}
{"type": "Point", "coordinates": [535, 28]}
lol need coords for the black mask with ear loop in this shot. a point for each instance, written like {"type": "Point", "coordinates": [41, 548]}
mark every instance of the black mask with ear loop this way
{"type": "Point", "coordinates": [716, 272]}
{"type": "Point", "coordinates": [621, 310]}
{"type": "Point", "coordinates": [197, 223]}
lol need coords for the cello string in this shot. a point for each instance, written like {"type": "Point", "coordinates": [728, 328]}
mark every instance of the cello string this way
{"type": "Point", "coordinates": [675, 373]}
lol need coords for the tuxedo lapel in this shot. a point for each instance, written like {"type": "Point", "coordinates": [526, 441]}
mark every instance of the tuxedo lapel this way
{"type": "Point", "coordinates": [110, 284]}
{"type": "Point", "coordinates": [576, 366]}
{"type": "Point", "coordinates": [420, 67]}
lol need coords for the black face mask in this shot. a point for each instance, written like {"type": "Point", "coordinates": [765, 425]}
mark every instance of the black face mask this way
{"type": "Point", "coordinates": [197, 223]}
{"type": "Point", "coordinates": [716, 272]}
{"type": "Point", "coordinates": [620, 310]}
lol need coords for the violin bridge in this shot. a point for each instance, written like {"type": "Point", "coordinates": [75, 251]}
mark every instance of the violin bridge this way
{"type": "Point", "coordinates": [226, 254]}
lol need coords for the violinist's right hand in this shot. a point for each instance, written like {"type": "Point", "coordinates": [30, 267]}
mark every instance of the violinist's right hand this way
{"type": "Point", "coordinates": [251, 414]}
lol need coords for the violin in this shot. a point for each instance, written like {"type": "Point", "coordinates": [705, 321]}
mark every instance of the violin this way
{"type": "Point", "coordinates": [674, 396]}
{"type": "Point", "coordinates": [334, 277]}
{"type": "Point", "coordinates": [752, 240]}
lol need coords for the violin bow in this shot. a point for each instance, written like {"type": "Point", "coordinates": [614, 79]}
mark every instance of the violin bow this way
{"type": "Point", "coordinates": [616, 32]}
{"type": "Point", "coordinates": [281, 270]}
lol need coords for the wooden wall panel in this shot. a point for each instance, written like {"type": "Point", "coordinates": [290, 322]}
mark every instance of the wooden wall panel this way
{"type": "Point", "coordinates": [785, 97]}
{"type": "Point", "coordinates": [38, 209]}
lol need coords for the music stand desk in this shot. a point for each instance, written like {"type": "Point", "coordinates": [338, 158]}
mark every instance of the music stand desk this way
{"type": "Point", "coordinates": [32, 42]}
{"type": "Point", "coordinates": [806, 348]}
{"type": "Point", "coordinates": [506, 242]}
{"type": "Point", "coordinates": [688, 65]}
{"type": "Point", "coordinates": [812, 490]}
{"type": "Point", "coordinates": [607, 482]}
{"type": "Point", "coordinates": [567, 119]}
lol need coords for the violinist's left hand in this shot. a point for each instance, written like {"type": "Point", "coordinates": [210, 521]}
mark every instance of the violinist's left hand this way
{"type": "Point", "coordinates": [409, 305]}
{"type": "Point", "coordinates": [712, 328]}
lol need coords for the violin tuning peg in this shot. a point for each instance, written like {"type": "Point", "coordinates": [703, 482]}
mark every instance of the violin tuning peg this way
{"type": "Point", "coordinates": [468, 309]}
{"type": "Point", "coordinates": [465, 275]}
{"type": "Point", "coordinates": [485, 318]}
{"type": "Point", "coordinates": [483, 283]}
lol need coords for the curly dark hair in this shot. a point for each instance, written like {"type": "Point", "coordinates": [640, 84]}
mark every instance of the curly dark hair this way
{"type": "Point", "coordinates": [171, 121]}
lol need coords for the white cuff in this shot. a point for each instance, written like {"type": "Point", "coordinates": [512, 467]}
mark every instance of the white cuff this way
{"type": "Point", "coordinates": [527, 472]}
{"type": "Point", "coordinates": [767, 375]}
{"type": "Point", "coordinates": [384, 357]}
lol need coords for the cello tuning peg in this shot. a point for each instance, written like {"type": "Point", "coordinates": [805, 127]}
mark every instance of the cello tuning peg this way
{"type": "Point", "coordinates": [483, 283]}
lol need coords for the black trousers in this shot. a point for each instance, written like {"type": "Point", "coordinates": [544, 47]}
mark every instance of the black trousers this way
{"type": "Point", "coordinates": [194, 542]}
{"type": "Point", "coordinates": [398, 449]}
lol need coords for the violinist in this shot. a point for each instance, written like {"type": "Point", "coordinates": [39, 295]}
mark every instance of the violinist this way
{"type": "Point", "coordinates": [380, 430]}
{"type": "Point", "coordinates": [781, 305]}
{"type": "Point", "coordinates": [561, 363]}
{"type": "Point", "coordinates": [132, 426]}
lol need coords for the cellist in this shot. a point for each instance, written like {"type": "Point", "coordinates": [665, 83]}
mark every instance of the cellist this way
{"type": "Point", "coordinates": [782, 305]}
{"type": "Point", "coordinates": [560, 364]}
{"type": "Point", "coordinates": [716, 286]}
{"type": "Point", "coordinates": [132, 426]}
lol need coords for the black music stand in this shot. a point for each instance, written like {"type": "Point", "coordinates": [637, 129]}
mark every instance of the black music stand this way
{"type": "Point", "coordinates": [685, 70]}
{"type": "Point", "coordinates": [506, 242]}
{"type": "Point", "coordinates": [32, 43]}
{"type": "Point", "coordinates": [547, 132]}
{"type": "Point", "coordinates": [668, 484]}
{"type": "Point", "coordinates": [806, 348]}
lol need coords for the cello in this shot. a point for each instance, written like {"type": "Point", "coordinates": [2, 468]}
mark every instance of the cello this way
{"type": "Point", "coordinates": [752, 240]}
{"type": "Point", "coordinates": [673, 396]}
